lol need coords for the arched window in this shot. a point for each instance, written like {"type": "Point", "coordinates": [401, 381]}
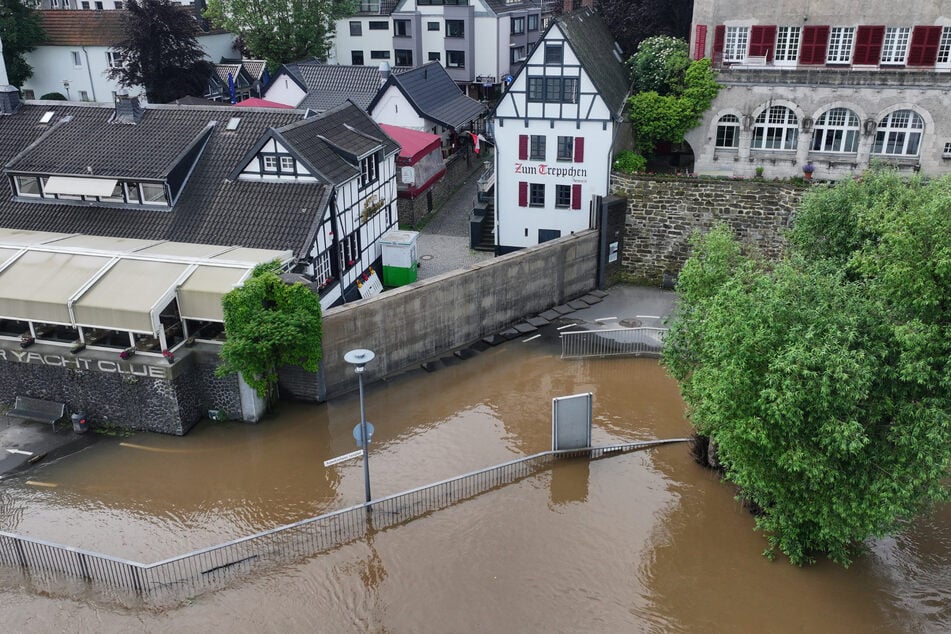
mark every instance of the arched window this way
{"type": "Point", "coordinates": [837, 130]}
{"type": "Point", "coordinates": [728, 131]}
{"type": "Point", "coordinates": [776, 128]}
{"type": "Point", "coordinates": [899, 134]}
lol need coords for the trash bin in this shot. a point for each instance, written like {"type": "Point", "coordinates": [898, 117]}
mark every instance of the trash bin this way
{"type": "Point", "coordinates": [80, 423]}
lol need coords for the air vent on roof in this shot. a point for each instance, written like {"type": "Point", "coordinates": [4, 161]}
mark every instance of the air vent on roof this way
{"type": "Point", "coordinates": [47, 117]}
{"type": "Point", "coordinates": [233, 123]}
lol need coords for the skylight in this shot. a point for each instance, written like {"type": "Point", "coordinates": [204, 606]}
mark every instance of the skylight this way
{"type": "Point", "coordinates": [47, 116]}
{"type": "Point", "coordinates": [233, 123]}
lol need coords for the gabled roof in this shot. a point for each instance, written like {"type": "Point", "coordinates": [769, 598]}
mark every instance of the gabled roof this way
{"type": "Point", "coordinates": [592, 42]}
{"type": "Point", "coordinates": [434, 95]}
{"type": "Point", "coordinates": [211, 209]}
{"type": "Point", "coordinates": [253, 67]}
{"type": "Point", "coordinates": [329, 85]}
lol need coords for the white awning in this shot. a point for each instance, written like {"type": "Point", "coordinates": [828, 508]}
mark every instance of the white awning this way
{"type": "Point", "coordinates": [200, 296]}
{"type": "Point", "coordinates": [75, 186]}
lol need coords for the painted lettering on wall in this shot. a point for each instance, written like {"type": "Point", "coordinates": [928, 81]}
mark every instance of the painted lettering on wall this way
{"type": "Point", "coordinates": [79, 363]}
{"type": "Point", "coordinates": [543, 169]}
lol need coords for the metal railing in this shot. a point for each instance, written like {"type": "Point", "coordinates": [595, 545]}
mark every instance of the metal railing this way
{"type": "Point", "coordinates": [49, 565]}
{"type": "Point", "coordinates": [644, 341]}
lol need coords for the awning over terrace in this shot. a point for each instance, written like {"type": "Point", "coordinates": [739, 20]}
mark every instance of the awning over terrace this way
{"type": "Point", "coordinates": [117, 284]}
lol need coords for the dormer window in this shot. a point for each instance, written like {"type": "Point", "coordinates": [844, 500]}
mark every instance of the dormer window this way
{"type": "Point", "coordinates": [87, 189]}
{"type": "Point", "coordinates": [284, 164]}
{"type": "Point", "coordinates": [369, 169]}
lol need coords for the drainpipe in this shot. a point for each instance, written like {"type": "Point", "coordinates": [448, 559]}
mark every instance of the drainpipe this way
{"type": "Point", "coordinates": [92, 87]}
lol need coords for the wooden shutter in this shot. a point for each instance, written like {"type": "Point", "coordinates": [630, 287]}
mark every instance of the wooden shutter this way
{"type": "Point", "coordinates": [924, 45]}
{"type": "Point", "coordinates": [868, 44]}
{"type": "Point", "coordinates": [815, 40]}
{"type": "Point", "coordinates": [576, 196]}
{"type": "Point", "coordinates": [700, 42]}
{"type": "Point", "coordinates": [719, 35]}
{"type": "Point", "coordinates": [763, 41]}
{"type": "Point", "coordinates": [579, 149]}
{"type": "Point", "coordinates": [523, 194]}
{"type": "Point", "coordinates": [522, 147]}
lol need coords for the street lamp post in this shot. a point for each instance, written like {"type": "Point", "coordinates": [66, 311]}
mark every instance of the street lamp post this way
{"type": "Point", "coordinates": [359, 359]}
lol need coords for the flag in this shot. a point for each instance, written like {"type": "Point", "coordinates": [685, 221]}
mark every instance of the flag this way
{"type": "Point", "coordinates": [265, 77]}
{"type": "Point", "coordinates": [231, 91]}
{"type": "Point", "coordinates": [475, 141]}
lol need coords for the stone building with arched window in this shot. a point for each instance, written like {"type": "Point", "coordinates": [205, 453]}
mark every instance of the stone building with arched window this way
{"type": "Point", "coordinates": [837, 86]}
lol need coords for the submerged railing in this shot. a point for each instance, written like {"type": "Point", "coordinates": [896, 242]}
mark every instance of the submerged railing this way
{"type": "Point", "coordinates": [579, 344]}
{"type": "Point", "coordinates": [47, 563]}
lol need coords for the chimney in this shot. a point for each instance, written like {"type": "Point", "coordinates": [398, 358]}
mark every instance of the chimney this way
{"type": "Point", "coordinates": [9, 96]}
{"type": "Point", "coordinates": [384, 72]}
{"type": "Point", "coordinates": [128, 109]}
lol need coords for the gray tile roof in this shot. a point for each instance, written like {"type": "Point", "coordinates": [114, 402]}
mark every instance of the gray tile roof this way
{"type": "Point", "coordinates": [593, 43]}
{"type": "Point", "coordinates": [334, 142]}
{"type": "Point", "coordinates": [501, 6]}
{"type": "Point", "coordinates": [211, 209]}
{"type": "Point", "coordinates": [435, 96]}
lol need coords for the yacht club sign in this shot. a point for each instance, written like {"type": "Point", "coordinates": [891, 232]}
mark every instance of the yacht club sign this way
{"type": "Point", "coordinates": [107, 366]}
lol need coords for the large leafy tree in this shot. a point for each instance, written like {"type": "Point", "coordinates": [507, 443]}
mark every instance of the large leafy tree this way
{"type": "Point", "coordinates": [270, 324]}
{"type": "Point", "coordinates": [162, 52]}
{"type": "Point", "coordinates": [824, 379]}
{"type": "Point", "coordinates": [631, 21]}
{"type": "Point", "coordinates": [21, 31]}
{"type": "Point", "coordinates": [281, 31]}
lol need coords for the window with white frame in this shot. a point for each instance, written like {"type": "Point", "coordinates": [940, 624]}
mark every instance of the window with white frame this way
{"type": "Point", "coordinates": [322, 271]}
{"type": "Point", "coordinates": [836, 130]}
{"type": "Point", "coordinates": [728, 131]}
{"type": "Point", "coordinates": [270, 163]}
{"type": "Point", "coordinates": [27, 185]}
{"type": "Point", "coordinates": [776, 128]}
{"type": "Point", "coordinates": [114, 59]}
{"type": "Point", "coordinates": [841, 39]}
{"type": "Point", "coordinates": [369, 170]}
{"type": "Point", "coordinates": [944, 48]}
{"type": "Point", "coordinates": [899, 134]}
{"type": "Point", "coordinates": [787, 44]}
{"type": "Point", "coordinates": [895, 45]}
{"type": "Point", "coordinates": [736, 43]}
{"type": "Point", "coordinates": [947, 151]}
{"type": "Point", "coordinates": [287, 163]}
{"type": "Point", "coordinates": [537, 147]}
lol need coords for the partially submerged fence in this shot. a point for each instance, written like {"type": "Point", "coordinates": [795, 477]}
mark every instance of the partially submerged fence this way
{"type": "Point", "coordinates": [580, 344]}
{"type": "Point", "coordinates": [189, 574]}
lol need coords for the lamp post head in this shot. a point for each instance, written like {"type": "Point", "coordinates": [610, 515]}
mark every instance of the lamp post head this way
{"type": "Point", "coordinates": [359, 358]}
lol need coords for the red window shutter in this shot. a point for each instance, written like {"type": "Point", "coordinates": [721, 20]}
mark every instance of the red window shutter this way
{"type": "Point", "coordinates": [576, 196]}
{"type": "Point", "coordinates": [523, 194]}
{"type": "Point", "coordinates": [815, 40]}
{"type": "Point", "coordinates": [868, 44]}
{"type": "Point", "coordinates": [762, 41]}
{"type": "Point", "coordinates": [719, 35]}
{"type": "Point", "coordinates": [522, 147]}
{"type": "Point", "coordinates": [579, 149]}
{"type": "Point", "coordinates": [924, 45]}
{"type": "Point", "coordinates": [700, 42]}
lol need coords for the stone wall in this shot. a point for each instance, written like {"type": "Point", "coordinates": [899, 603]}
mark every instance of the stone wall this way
{"type": "Point", "coordinates": [460, 167]}
{"type": "Point", "coordinates": [663, 212]}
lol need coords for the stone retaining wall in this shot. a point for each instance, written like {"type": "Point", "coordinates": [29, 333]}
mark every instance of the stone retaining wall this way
{"type": "Point", "coordinates": [663, 212]}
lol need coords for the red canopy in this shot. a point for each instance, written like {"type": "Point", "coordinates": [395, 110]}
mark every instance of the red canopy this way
{"type": "Point", "coordinates": [413, 143]}
{"type": "Point", "coordinates": [254, 102]}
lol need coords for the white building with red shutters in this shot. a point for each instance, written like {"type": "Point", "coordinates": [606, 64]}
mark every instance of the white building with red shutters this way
{"type": "Point", "coordinates": [833, 85]}
{"type": "Point", "coordinates": [555, 130]}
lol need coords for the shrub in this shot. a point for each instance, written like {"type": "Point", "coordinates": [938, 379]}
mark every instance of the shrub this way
{"type": "Point", "coordinates": [629, 162]}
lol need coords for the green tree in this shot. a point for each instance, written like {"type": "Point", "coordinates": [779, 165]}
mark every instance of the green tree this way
{"type": "Point", "coordinates": [281, 31]}
{"type": "Point", "coordinates": [21, 31]}
{"type": "Point", "coordinates": [655, 117]}
{"type": "Point", "coordinates": [824, 379]}
{"type": "Point", "coordinates": [659, 65]}
{"type": "Point", "coordinates": [270, 324]}
{"type": "Point", "coordinates": [161, 52]}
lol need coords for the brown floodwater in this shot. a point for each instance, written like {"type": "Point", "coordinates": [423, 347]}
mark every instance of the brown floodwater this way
{"type": "Point", "coordinates": [640, 542]}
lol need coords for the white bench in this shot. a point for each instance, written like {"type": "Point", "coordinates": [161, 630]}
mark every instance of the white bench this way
{"type": "Point", "coordinates": [30, 408]}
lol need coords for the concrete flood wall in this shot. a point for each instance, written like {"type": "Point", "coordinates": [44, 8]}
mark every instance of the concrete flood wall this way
{"type": "Point", "coordinates": [663, 212]}
{"type": "Point", "coordinates": [408, 325]}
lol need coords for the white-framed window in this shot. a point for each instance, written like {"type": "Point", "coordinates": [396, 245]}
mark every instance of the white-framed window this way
{"type": "Point", "coordinates": [836, 130]}
{"type": "Point", "coordinates": [736, 43]}
{"type": "Point", "coordinates": [287, 163]}
{"type": "Point", "coordinates": [899, 134]}
{"type": "Point", "coordinates": [152, 194]}
{"type": "Point", "coordinates": [28, 186]}
{"type": "Point", "coordinates": [776, 128]}
{"type": "Point", "coordinates": [728, 131]}
{"type": "Point", "coordinates": [895, 45]}
{"type": "Point", "coordinates": [536, 147]}
{"type": "Point", "coordinates": [947, 151]}
{"type": "Point", "coordinates": [944, 48]}
{"type": "Point", "coordinates": [322, 269]}
{"type": "Point", "coordinates": [787, 44]}
{"type": "Point", "coordinates": [114, 59]}
{"type": "Point", "coordinates": [270, 163]}
{"type": "Point", "coordinates": [77, 58]}
{"type": "Point", "coordinates": [369, 170]}
{"type": "Point", "coordinates": [841, 40]}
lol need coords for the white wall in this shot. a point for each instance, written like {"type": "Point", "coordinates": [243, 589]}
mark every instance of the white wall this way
{"type": "Point", "coordinates": [393, 109]}
{"type": "Point", "coordinates": [284, 90]}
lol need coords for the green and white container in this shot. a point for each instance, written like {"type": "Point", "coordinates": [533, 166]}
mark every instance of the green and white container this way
{"type": "Point", "coordinates": [400, 262]}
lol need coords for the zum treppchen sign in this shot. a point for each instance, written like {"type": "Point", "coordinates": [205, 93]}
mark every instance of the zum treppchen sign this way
{"type": "Point", "coordinates": [71, 362]}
